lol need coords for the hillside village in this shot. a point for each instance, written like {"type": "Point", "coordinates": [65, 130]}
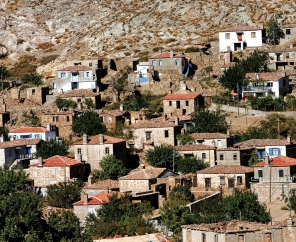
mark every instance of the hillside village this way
{"type": "Point", "coordinates": [149, 130]}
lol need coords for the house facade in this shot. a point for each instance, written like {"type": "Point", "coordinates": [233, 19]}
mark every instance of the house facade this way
{"type": "Point", "coordinates": [233, 156]}
{"type": "Point", "coordinates": [217, 140]}
{"type": "Point", "coordinates": [75, 77]}
{"type": "Point", "coordinates": [239, 38]}
{"type": "Point", "coordinates": [182, 104]}
{"type": "Point", "coordinates": [94, 149]}
{"type": "Point", "coordinates": [282, 59]}
{"type": "Point", "coordinates": [141, 75]}
{"type": "Point", "coordinates": [224, 177]}
{"type": "Point", "coordinates": [100, 186]}
{"type": "Point", "coordinates": [33, 133]}
{"type": "Point", "coordinates": [289, 31]}
{"type": "Point", "coordinates": [111, 117]}
{"type": "Point", "coordinates": [264, 84]}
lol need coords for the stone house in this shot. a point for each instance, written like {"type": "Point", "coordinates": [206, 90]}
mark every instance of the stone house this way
{"type": "Point", "coordinates": [224, 177]}
{"type": "Point", "coordinates": [100, 186]}
{"type": "Point", "coordinates": [94, 149]}
{"type": "Point", "coordinates": [147, 133]}
{"type": "Point", "coordinates": [89, 204]}
{"type": "Point", "coordinates": [75, 77]}
{"type": "Point", "coordinates": [217, 140]}
{"type": "Point", "coordinates": [169, 61]}
{"type": "Point", "coordinates": [282, 59]}
{"type": "Point", "coordinates": [80, 95]}
{"type": "Point", "coordinates": [233, 156]}
{"type": "Point", "coordinates": [264, 84]}
{"type": "Point", "coordinates": [111, 117]}
{"type": "Point", "coordinates": [182, 104]}
{"type": "Point", "coordinates": [141, 75]}
{"type": "Point", "coordinates": [271, 147]}
{"type": "Point", "coordinates": [240, 37]}
{"type": "Point", "coordinates": [32, 133]}
{"type": "Point", "coordinates": [289, 31]}
{"type": "Point", "coordinates": [4, 115]}
{"type": "Point", "coordinates": [200, 151]}
{"type": "Point", "coordinates": [18, 152]}
{"type": "Point", "coordinates": [54, 170]}
{"type": "Point", "coordinates": [236, 231]}
{"type": "Point", "coordinates": [62, 121]}
{"type": "Point", "coordinates": [38, 94]}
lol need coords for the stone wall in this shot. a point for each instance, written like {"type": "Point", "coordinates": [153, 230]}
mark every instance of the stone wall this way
{"type": "Point", "coordinates": [195, 206]}
{"type": "Point", "coordinates": [81, 211]}
{"type": "Point", "coordinates": [186, 107]}
{"type": "Point", "coordinates": [209, 155]}
{"type": "Point", "coordinates": [37, 94]}
{"type": "Point", "coordinates": [134, 185]}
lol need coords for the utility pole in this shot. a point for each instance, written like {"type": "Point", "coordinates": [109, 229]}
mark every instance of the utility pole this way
{"type": "Point", "coordinates": [288, 186]}
{"type": "Point", "coordinates": [270, 163]}
{"type": "Point", "coordinates": [278, 120]}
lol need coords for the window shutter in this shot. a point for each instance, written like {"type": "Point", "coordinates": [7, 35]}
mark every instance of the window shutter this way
{"type": "Point", "coordinates": [270, 151]}
{"type": "Point", "coordinates": [279, 151]}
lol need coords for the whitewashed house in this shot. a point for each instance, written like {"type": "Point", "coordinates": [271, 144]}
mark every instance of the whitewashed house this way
{"type": "Point", "coordinates": [32, 133]}
{"type": "Point", "coordinates": [239, 38]}
{"type": "Point", "coordinates": [75, 77]}
{"type": "Point", "coordinates": [141, 75]}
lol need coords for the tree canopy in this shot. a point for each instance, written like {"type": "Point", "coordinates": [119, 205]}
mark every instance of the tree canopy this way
{"type": "Point", "coordinates": [88, 123]}
{"type": "Point", "coordinates": [185, 138]}
{"type": "Point", "coordinates": [209, 121]}
{"type": "Point", "coordinates": [32, 79]}
{"type": "Point", "coordinates": [112, 168]}
{"type": "Point", "coordinates": [191, 165]}
{"type": "Point", "coordinates": [273, 30]}
{"type": "Point", "coordinates": [51, 148]}
{"type": "Point", "coordinates": [64, 103]}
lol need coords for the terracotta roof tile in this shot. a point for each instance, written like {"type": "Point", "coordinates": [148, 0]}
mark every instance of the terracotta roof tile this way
{"type": "Point", "coordinates": [289, 26]}
{"type": "Point", "coordinates": [98, 199]}
{"type": "Point", "coordinates": [79, 93]}
{"type": "Point", "coordinates": [58, 161]}
{"type": "Point", "coordinates": [233, 149]}
{"type": "Point", "coordinates": [226, 169]}
{"type": "Point", "coordinates": [95, 140]}
{"type": "Point", "coordinates": [279, 161]}
{"type": "Point", "coordinates": [268, 76]}
{"type": "Point", "coordinates": [144, 174]}
{"type": "Point", "coordinates": [240, 28]}
{"type": "Point", "coordinates": [111, 184]}
{"type": "Point", "coordinates": [201, 136]}
{"type": "Point", "coordinates": [181, 118]}
{"type": "Point", "coordinates": [29, 130]}
{"type": "Point", "coordinates": [152, 124]}
{"type": "Point", "coordinates": [261, 142]}
{"type": "Point", "coordinates": [76, 68]}
{"type": "Point", "coordinates": [167, 55]}
{"type": "Point", "coordinates": [115, 113]}
{"type": "Point", "coordinates": [281, 50]}
{"type": "Point", "coordinates": [194, 147]}
{"type": "Point", "coordinates": [19, 142]}
{"type": "Point", "coordinates": [179, 96]}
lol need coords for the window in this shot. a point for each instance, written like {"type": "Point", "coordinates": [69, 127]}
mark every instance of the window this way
{"type": "Point", "coordinates": [79, 151]}
{"type": "Point", "coordinates": [107, 151]}
{"type": "Point", "coordinates": [234, 156]}
{"type": "Point", "coordinates": [241, 238]}
{"type": "Point", "coordinates": [55, 118]}
{"type": "Point", "coordinates": [288, 31]}
{"type": "Point", "coordinates": [154, 63]}
{"type": "Point", "coordinates": [239, 180]}
{"type": "Point", "coordinates": [166, 133]}
{"type": "Point", "coordinates": [260, 173]}
{"type": "Point", "coordinates": [62, 75]}
{"type": "Point", "coordinates": [90, 64]}
{"type": "Point", "coordinates": [227, 35]}
{"type": "Point", "coordinates": [79, 100]}
{"type": "Point", "coordinates": [281, 173]}
{"type": "Point", "coordinates": [102, 119]}
{"type": "Point", "coordinates": [203, 236]}
{"type": "Point", "coordinates": [253, 34]}
{"type": "Point", "coordinates": [187, 103]}
{"type": "Point", "coordinates": [222, 180]}
{"type": "Point", "coordinates": [203, 155]}
{"type": "Point", "coordinates": [33, 91]}
{"type": "Point", "coordinates": [170, 103]}
{"type": "Point", "coordinates": [67, 118]}
{"type": "Point", "coordinates": [177, 62]}
{"type": "Point", "coordinates": [160, 63]}
{"type": "Point", "coordinates": [9, 153]}
{"type": "Point", "coordinates": [183, 111]}
{"type": "Point", "coordinates": [267, 237]}
{"type": "Point", "coordinates": [37, 136]}
{"type": "Point", "coordinates": [274, 151]}
{"type": "Point", "coordinates": [148, 136]}
{"type": "Point", "coordinates": [87, 74]}
{"type": "Point", "coordinates": [219, 143]}
{"type": "Point", "coordinates": [287, 55]}
{"type": "Point", "coordinates": [178, 104]}
{"type": "Point", "coordinates": [221, 157]}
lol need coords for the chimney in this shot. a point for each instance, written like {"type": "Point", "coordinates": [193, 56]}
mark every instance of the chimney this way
{"type": "Point", "coordinates": [171, 54]}
{"type": "Point", "coordinates": [98, 89]}
{"type": "Point", "coordinates": [101, 139]}
{"type": "Point", "coordinates": [121, 107]}
{"type": "Point", "coordinates": [84, 139]}
{"type": "Point", "coordinates": [228, 132]}
{"type": "Point", "coordinates": [142, 166]}
{"type": "Point", "coordinates": [79, 158]}
{"type": "Point", "coordinates": [283, 74]}
{"type": "Point", "coordinates": [177, 120]}
{"type": "Point", "coordinates": [40, 162]}
{"type": "Point", "coordinates": [48, 127]}
{"type": "Point", "coordinates": [84, 197]}
{"type": "Point", "coordinates": [289, 140]}
{"type": "Point", "coordinates": [266, 160]}
{"type": "Point", "coordinates": [89, 179]}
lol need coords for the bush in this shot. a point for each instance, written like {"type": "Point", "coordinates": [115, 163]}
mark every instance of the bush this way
{"type": "Point", "coordinates": [33, 79]}
{"type": "Point", "coordinates": [64, 103]}
{"type": "Point", "coordinates": [192, 49]}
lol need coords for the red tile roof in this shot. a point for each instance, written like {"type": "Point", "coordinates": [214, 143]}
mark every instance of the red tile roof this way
{"type": "Point", "coordinates": [181, 118]}
{"type": "Point", "coordinates": [289, 26]}
{"type": "Point", "coordinates": [168, 54]}
{"type": "Point", "coordinates": [152, 124]}
{"type": "Point", "coordinates": [226, 169]}
{"type": "Point", "coordinates": [79, 93]}
{"type": "Point", "coordinates": [201, 136]}
{"type": "Point", "coordinates": [95, 140]}
{"type": "Point", "coordinates": [103, 184]}
{"type": "Point", "coordinates": [261, 142]}
{"type": "Point", "coordinates": [177, 96]}
{"type": "Point", "coordinates": [115, 113]}
{"type": "Point", "coordinates": [194, 147]}
{"type": "Point", "coordinates": [268, 76]}
{"type": "Point", "coordinates": [19, 142]}
{"type": "Point", "coordinates": [144, 174]}
{"type": "Point", "coordinates": [29, 130]}
{"type": "Point", "coordinates": [98, 199]}
{"type": "Point", "coordinates": [240, 28]}
{"type": "Point", "coordinates": [279, 161]}
{"type": "Point", "coordinates": [76, 68]}
{"type": "Point", "coordinates": [58, 161]}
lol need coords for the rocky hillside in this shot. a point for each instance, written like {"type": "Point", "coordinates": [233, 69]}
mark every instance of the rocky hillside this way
{"type": "Point", "coordinates": [35, 32]}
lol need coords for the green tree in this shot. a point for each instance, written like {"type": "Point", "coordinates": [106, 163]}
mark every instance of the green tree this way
{"type": "Point", "coordinates": [88, 123]}
{"type": "Point", "coordinates": [32, 79]}
{"type": "Point", "coordinates": [255, 133]}
{"type": "Point", "coordinates": [291, 201]}
{"type": "Point", "coordinates": [31, 119]}
{"type": "Point", "coordinates": [51, 148]}
{"type": "Point", "coordinates": [64, 194]}
{"type": "Point", "coordinates": [209, 121]}
{"type": "Point", "coordinates": [121, 130]}
{"type": "Point", "coordinates": [185, 138]}
{"type": "Point", "coordinates": [273, 31]}
{"type": "Point", "coordinates": [112, 168]}
{"type": "Point", "coordinates": [3, 74]}
{"type": "Point", "coordinates": [162, 156]}
{"type": "Point", "coordinates": [121, 83]}
{"type": "Point", "coordinates": [253, 159]}
{"type": "Point", "coordinates": [183, 190]}
{"type": "Point", "coordinates": [89, 103]}
{"type": "Point", "coordinates": [119, 216]}
{"type": "Point", "coordinates": [64, 103]}
{"type": "Point", "coordinates": [191, 164]}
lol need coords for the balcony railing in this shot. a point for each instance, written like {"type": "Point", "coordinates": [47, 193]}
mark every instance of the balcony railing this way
{"type": "Point", "coordinates": [25, 157]}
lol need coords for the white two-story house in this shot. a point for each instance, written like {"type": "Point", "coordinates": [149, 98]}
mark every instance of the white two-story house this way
{"type": "Point", "coordinates": [32, 133]}
{"type": "Point", "coordinates": [75, 77]}
{"type": "Point", "coordinates": [239, 38]}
